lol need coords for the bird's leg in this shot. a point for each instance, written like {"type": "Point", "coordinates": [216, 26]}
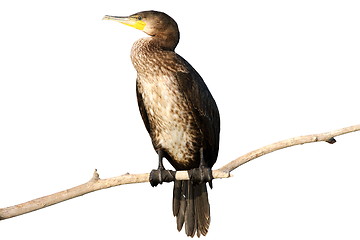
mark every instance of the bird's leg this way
{"type": "Point", "coordinates": [202, 174]}
{"type": "Point", "coordinates": [160, 175]}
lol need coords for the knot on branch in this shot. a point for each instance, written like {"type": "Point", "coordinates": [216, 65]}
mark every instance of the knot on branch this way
{"type": "Point", "coordinates": [331, 140]}
{"type": "Point", "coordinates": [95, 176]}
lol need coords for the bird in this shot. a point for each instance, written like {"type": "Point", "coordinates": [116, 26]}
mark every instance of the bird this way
{"type": "Point", "coordinates": [180, 115]}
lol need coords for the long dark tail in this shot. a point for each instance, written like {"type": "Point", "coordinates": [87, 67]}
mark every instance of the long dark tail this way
{"type": "Point", "coordinates": [191, 206]}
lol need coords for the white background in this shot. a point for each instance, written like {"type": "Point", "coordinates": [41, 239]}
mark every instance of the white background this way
{"type": "Point", "coordinates": [277, 69]}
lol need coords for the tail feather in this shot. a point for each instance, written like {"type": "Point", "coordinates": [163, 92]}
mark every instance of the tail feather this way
{"type": "Point", "coordinates": [191, 206]}
{"type": "Point", "coordinates": [179, 203]}
{"type": "Point", "coordinates": [190, 218]}
{"type": "Point", "coordinates": [202, 208]}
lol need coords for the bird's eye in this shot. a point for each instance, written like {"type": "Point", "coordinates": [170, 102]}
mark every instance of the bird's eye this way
{"type": "Point", "coordinates": [139, 18]}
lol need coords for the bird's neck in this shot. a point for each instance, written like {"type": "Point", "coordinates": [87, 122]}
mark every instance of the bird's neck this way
{"type": "Point", "coordinates": [166, 41]}
{"type": "Point", "coordinates": [147, 53]}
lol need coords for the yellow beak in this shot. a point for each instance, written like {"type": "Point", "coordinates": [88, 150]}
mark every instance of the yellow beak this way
{"type": "Point", "coordinates": [129, 21]}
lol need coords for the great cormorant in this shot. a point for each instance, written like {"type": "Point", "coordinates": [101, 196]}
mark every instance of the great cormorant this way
{"type": "Point", "coordinates": [179, 113]}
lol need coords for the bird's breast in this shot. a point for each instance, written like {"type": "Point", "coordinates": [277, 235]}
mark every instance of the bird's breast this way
{"type": "Point", "coordinates": [172, 124]}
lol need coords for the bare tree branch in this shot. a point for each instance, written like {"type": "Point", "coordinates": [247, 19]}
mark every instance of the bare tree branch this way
{"type": "Point", "coordinates": [328, 137]}
{"type": "Point", "coordinates": [96, 183]}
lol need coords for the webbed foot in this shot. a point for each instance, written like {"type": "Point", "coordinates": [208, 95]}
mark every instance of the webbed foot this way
{"type": "Point", "coordinates": [158, 176]}
{"type": "Point", "coordinates": [201, 175]}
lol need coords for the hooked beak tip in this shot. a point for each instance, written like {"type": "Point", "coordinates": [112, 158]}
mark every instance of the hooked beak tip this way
{"type": "Point", "coordinates": [106, 17]}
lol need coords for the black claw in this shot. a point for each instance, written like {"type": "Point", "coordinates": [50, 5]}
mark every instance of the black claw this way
{"type": "Point", "coordinates": [158, 176]}
{"type": "Point", "coordinates": [154, 178]}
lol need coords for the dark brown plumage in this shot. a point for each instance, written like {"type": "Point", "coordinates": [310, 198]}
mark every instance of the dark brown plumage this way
{"type": "Point", "coordinates": [179, 113]}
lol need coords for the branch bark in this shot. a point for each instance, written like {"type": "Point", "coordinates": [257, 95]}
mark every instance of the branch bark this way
{"type": "Point", "coordinates": [96, 183]}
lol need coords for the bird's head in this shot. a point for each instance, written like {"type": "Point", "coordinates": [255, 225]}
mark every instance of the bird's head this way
{"type": "Point", "coordinates": [154, 23]}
